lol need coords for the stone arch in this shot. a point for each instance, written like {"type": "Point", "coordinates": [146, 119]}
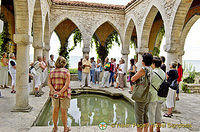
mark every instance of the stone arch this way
{"type": "Point", "coordinates": [128, 33]}
{"type": "Point", "coordinates": [147, 27]}
{"type": "Point", "coordinates": [65, 29]}
{"type": "Point", "coordinates": [186, 30]}
{"type": "Point", "coordinates": [178, 24]}
{"type": "Point", "coordinates": [37, 25]}
{"type": "Point", "coordinates": [109, 22]}
{"type": "Point", "coordinates": [57, 21]}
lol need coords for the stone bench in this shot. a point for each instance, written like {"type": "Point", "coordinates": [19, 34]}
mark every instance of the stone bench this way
{"type": "Point", "coordinates": [195, 88]}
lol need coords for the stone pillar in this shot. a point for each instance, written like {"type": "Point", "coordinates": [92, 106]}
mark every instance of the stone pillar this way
{"type": "Point", "coordinates": [23, 41]}
{"type": "Point", "coordinates": [38, 51]}
{"type": "Point", "coordinates": [86, 51]}
{"type": "Point", "coordinates": [139, 53]}
{"type": "Point", "coordinates": [125, 57]}
{"type": "Point", "coordinates": [46, 52]}
{"type": "Point", "coordinates": [180, 56]}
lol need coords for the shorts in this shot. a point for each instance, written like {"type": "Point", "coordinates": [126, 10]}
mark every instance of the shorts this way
{"type": "Point", "coordinates": [141, 109]}
{"type": "Point", "coordinates": [154, 112]}
{"type": "Point", "coordinates": [63, 103]}
{"type": "Point", "coordinates": [37, 79]}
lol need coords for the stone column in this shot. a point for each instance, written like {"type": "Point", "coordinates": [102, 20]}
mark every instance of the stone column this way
{"type": "Point", "coordinates": [46, 52]}
{"type": "Point", "coordinates": [86, 51]}
{"type": "Point", "coordinates": [140, 52]}
{"type": "Point", "coordinates": [23, 41]}
{"type": "Point", "coordinates": [180, 56]}
{"type": "Point", "coordinates": [125, 57]}
{"type": "Point", "coordinates": [38, 51]}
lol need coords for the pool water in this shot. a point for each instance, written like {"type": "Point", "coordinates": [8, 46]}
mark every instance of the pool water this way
{"type": "Point", "coordinates": [90, 110]}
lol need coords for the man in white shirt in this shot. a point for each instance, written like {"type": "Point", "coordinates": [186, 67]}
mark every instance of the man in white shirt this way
{"type": "Point", "coordinates": [39, 67]}
{"type": "Point", "coordinates": [51, 63]}
{"type": "Point", "coordinates": [121, 73]}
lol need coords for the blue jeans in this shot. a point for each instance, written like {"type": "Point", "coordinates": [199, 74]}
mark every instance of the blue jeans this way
{"type": "Point", "coordinates": [111, 77]}
{"type": "Point", "coordinates": [79, 75]}
{"type": "Point", "coordinates": [92, 75]}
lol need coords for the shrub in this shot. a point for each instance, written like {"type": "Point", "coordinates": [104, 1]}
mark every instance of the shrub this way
{"type": "Point", "coordinates": [73, 71]}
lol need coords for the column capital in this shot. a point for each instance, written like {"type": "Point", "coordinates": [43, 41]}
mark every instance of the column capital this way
{"type": "Point", "coordinates": [24, 39]}
{"type": "Point", "coordinates": [125, 52]}
{"type": "Point", "coordinates": [86, 49]}
{"type": "Point", "coordinates": [38, 47]}
{"type": "Point", "coordinates": [142, 50]}
{"type": "Point", "coordinates": [170, 49]}
{"type": "Point", "coordinates": [181, 53]}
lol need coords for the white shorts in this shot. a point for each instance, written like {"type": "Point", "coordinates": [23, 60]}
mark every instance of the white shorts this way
{"type": "Point", "coordinates": [170, 101]}
{"type": "Point", "coordinates": [37, 79]}
{"type": "Point", "coordinates": [13, 76]}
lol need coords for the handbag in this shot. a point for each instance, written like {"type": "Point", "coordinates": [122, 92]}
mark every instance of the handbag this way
{"type": "Point", "coordinates": [174, 85]}
{"type": "Point", "coordinates": [162, 91]}
{"type": "Point", "coordinates": [141, 90]}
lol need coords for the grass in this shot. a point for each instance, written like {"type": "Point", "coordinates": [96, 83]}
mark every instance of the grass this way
{"type": "Point", "coordinates": [73, 70]}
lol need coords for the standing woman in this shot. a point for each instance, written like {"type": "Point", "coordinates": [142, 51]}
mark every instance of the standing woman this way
{"type": "Point", "coordinates": [60, 93]}
{"type": "Point", "coordinates": [180, 75]}
{"type": "Point", "coordinates": [132, 72]}
{"type": "Point", "coordinates": [172, 75]}
{"type": "Point", "coordinates": [97, 71]}
{"type": "Point", "coordinates": [4, 71]}
{"type": "Point", "coordinates": [141, 107]}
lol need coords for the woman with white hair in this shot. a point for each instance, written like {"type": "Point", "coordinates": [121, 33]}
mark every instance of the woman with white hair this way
{"type": "Point", "coordinates": [4, 71]}
{"type": "Point", "coordinates": [12, 70]}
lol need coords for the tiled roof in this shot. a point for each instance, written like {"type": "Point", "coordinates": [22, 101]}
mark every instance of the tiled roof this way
{"type": "Point", "coordinates": [86, 4]}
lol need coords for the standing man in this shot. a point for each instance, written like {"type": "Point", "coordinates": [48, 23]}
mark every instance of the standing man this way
{"type": "Point", "coordinates": [80, 70]}
{"type": "Point", "coordinates": [92, 69]}
{"type": "Point", "coordinates": [39, 67]}
{"type": "Point", "coordinates": [121, 73]}
{"type": "Point", "coordinates": [86, 71]}
{"type": "Point", "coordinates": [12, 70]}
{"type": "Point", "coordinates": [51, 63]}
{"type": "Point", "coordinates": [106, 75]}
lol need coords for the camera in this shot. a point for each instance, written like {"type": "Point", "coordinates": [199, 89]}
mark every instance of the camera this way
{"type": "Point", "coordinates": [55, 96]}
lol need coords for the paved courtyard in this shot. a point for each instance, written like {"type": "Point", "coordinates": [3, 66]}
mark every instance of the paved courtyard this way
{"type": "Point", "coordinates": [187, 112]}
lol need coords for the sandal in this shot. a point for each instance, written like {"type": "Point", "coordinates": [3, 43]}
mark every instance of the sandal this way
{"type": "Point", "coordinates": [167, 115]}
{"type": "Point", "coordinates": [67, 129]}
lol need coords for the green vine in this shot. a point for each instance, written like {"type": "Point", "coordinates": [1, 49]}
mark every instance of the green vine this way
{"type": "Point", "coordinates": [103, 50]}
{"type": "Point", "coordinates": [4, 36]}
{"type": "Point", "coordinates": [65, 49]}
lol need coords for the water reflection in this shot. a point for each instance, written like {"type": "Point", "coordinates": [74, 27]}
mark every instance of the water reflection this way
{"type": "Point", "coordinates": [91, 109]}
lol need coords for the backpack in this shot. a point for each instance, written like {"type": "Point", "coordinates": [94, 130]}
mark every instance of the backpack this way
{"type": "Point", "coordinates": [162, 91]}
{"type": "Point", "coordinates": [141, 90]}
{"type": "Point", "coordinates": [32, 69]}
{"type": "Point", "coordinates": [174, 85]}
{"type": "Point", "coordinates": [111, 67]}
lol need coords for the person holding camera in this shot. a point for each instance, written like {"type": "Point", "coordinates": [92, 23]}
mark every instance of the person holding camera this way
{"type": "Point", "coordinates": [60, 92]}
{"type": "Point", "coordinates": [86, 65]}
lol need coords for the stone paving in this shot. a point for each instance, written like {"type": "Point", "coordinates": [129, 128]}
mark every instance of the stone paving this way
{"type": "Point", "coordinates": [187, 112]}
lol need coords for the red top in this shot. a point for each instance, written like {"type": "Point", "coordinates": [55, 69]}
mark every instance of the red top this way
{"type": "Point", "coordinates": [80, 66]}
{"type": "Point", "coordinates": [180, 73]}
